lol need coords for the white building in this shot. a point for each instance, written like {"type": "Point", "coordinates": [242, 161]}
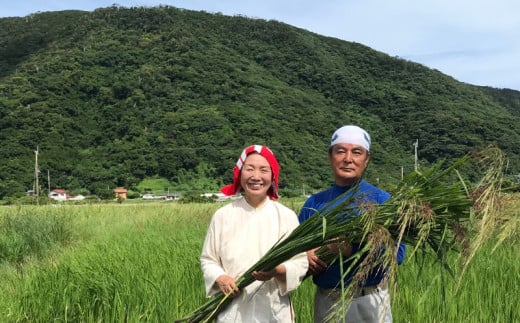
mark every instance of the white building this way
{"type": "Point", "coordinates": [58, 195]}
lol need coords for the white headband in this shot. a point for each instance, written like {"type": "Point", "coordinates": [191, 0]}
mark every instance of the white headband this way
{"type": "Point", "coordinates": [351, 135]}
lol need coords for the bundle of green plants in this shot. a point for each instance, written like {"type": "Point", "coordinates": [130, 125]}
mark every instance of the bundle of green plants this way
{"type": "Point", "coordinates": [434, 211]}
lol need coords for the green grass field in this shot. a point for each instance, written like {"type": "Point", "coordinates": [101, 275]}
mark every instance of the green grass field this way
{"type": "Point", "coordinates": [134, 263]}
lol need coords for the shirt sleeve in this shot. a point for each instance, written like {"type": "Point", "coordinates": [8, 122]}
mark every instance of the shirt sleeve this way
{"type": "Point", "coordinates": [401, 253]}
{"type": "Point", "coordinates": [209, 260]}
{"type": "Point", "coordinates": [307, 210]}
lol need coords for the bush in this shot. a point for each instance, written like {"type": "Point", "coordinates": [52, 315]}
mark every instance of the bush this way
{"type": "Point", "coordinates": [195, 197]}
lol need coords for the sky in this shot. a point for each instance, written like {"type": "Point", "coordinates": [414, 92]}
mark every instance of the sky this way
{"type": "Point", "coordinates": [473, 41]}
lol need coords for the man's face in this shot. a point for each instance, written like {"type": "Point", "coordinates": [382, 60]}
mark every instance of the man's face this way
{"type": "Point", "coordinates": [348, 163]}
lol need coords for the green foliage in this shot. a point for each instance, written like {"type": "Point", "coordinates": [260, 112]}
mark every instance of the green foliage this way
{"type": "Point", "coordinates": [23, 200]}
{"type": "Point", "coordinates": [195, 197]}
{"type": "Point", "coordinates": [131, 268]}
{"type": "Point", "coordinates": [119, 95]}
{"type": "Point", "coordinates": [140, 263]}
{"type": "Point", "coordinates": [102, 191]}
{"type": "Point", "coordinates": [201, 179]}
{"type": "Point", "coordinates": [426, 296]}
{"type": "Point", "coordinates": [290, 193]}
{"type": "Point", "coordinates": [154, 185]}
{"type": "Point", "coordinates": [131, 194]}
{"type": "Point", "coordinates": [24, 234]}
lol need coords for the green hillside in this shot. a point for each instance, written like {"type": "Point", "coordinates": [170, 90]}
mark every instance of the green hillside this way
{"type": "Point", "coordinates": [118, 95]}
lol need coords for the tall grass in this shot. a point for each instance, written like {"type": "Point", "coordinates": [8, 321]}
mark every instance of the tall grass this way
{"type": "Point", "coordinates": [139, 263]}
{"type": "Point", "coordinates": [488, 290]}
{"type": "Point", "coordinates": [25, 234]}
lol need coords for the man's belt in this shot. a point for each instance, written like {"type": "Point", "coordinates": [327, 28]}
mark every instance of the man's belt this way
{"type": "Point", "coordinates": [358, 292]}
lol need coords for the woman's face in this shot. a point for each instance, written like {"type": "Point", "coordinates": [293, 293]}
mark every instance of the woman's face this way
{"type": "Point", "coordinates": [348, 163]}
{"type": "Point", "coordinates": [256, 176]}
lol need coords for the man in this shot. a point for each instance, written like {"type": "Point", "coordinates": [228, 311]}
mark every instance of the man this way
{"type": "Point", "coordinates": [349, 154]}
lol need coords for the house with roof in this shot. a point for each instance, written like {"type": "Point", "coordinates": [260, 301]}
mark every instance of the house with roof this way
{"type": "Point", "coordinates": [59, 195]}
{"type": "Point", "coordinates": [120, 193]}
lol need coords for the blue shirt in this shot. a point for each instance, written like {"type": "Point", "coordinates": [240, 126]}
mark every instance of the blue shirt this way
{"type": "Point", "coordinates": [364, 193]}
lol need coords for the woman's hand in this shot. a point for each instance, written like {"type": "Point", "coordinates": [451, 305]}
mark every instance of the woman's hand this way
{"type": "Point", "coordinates": [227, 285]}
{"type": "Point", "coordinates": [278, 272]}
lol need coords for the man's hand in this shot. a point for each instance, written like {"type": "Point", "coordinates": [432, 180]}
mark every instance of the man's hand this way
{"type": "Point", "coordinates": [227, 285]}
{"type": "Point", "coordinates": [316, 265]}
{"type": "Point", "coordinates": [343, 246]}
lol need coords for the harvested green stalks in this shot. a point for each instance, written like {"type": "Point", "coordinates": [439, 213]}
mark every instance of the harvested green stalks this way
{"type": "Point", "coordinates": [434, 211]}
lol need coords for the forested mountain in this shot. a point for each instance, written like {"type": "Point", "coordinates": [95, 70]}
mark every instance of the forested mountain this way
{"type": "Point", "coordinates": [117, 95]}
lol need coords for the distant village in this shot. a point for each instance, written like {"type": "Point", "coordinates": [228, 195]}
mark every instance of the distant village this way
{"type": "Point", "coordinates": [120, 194]}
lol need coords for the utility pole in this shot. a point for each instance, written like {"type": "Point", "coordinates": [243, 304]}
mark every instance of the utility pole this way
{"type": "Point", "coordinates": [48, 181]}
{"type": "Point", "coordinates": [416, 144]}
{"type": "Point", "coordinates": [36, 171]}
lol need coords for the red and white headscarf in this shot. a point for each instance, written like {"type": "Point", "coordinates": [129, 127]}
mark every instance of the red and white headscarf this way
{"type": "Point", "coordinates": [265, 152]}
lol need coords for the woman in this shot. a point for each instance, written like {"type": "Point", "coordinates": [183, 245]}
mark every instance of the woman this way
{"type": "Point", "coordinates": [241, 232]}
